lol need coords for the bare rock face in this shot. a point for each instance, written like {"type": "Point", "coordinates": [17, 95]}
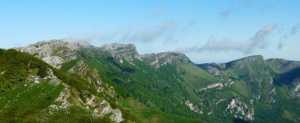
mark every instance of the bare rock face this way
{"type": "Point", "coordinates": [161, 59]}
{"type": "Point", "coordinates": [116, 115]}
{"type": "Point", "coordinates": [193, 107]}
{"type": "Point", "coordinates": [46, 48]}
{"type": "Point", "coordinates": [61, 102]}
{"type": "Point", "coordinates": [54, 52]}
{"type": "Point", "coordinates": [240, 109]}
{"type": "Point", "coordinates": [295, 92]}
{"type": "Point", "coordinates": [215, 85]}
{"type": "Point", "coordinates": [213, 71]}
{"type": "Point", "coordinates": [102, 108]}
{"type": "Point", "coordinates": [99, 106]}
{"type": "Point", "coordinates": [53, 60]}
{"type": "Point", "coordinates": [126, 51]}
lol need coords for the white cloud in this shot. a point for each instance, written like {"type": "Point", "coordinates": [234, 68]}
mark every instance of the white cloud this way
{"type": "Point", "coordinates": [257, 41]}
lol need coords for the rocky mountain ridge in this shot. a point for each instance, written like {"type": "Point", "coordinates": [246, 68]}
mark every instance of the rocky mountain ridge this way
{"type": "Point", "coordinates": [241, 89]}
{"type": "Point", "coordinates": [56, 52]}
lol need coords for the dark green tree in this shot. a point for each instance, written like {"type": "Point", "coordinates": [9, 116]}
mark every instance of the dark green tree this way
{"type": "Point", "coordinates": [42, 72]}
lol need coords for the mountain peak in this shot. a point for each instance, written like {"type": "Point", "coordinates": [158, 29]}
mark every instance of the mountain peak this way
{"type": "Point", "coordinates": [55, 52]}
{"type": "Point", "coordinates": [71, 44]}
{"type": "Point", "coordinates": [214, 68]}
{"type": "Point", "coordinates": [256, 56]}
{"type": "Point", "coordinates": [161, 59]}
{"type": "Point", "coordinates": [126, 51]}
{"type": "Point", "coordinates": [249, 59]}
{"type": "Point", "coordinates": [253, 57]}
{"type": "Point", "coordinates": [117, 46]}
{"type": "Point", "coordinates": [80, 43]}
{"type": "Point", "coordinates": [283, 65]}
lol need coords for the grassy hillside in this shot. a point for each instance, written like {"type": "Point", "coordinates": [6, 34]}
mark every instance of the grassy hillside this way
{"type": "Point", "coordinates": [32, 90]}
{"type": "Point", "coordinates": [149, 115]}
{"type": "Point", "coordinates": [165, 89]}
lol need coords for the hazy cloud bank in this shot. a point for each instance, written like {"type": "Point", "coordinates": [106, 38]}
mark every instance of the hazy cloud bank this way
{"type": "Point", "coordinates": [257, 41]}
{"type": "Point", "coordinates": [169, 32]}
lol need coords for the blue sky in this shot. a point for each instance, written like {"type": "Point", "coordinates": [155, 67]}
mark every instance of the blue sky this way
{"type": "Point", "coordinates": [206, 31]}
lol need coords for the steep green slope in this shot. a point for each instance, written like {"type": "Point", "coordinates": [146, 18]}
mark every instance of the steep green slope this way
{"type": "Point", "coordinates": [32, 90]}
{"type": "Point", "coordinates": [285, 72]}
{"type": "Point", "coordinates": [282, 65]}
{"type": "Point", "coordinates": [152, 116]}
{"type": "Point", "coordinates": [148, 85]}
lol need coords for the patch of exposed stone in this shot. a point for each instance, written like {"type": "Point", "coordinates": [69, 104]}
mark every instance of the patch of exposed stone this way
{"type": "Point", "coordinates": [126, 51]}
{"type": "Point", "coordinates": [161, 59]}
{"type": "Point", "coordinates": [193, 107]}
{"type": "Point", "coordinates": [295, 91]}
{"type": "Point", "coordinates": [221, 100]}
{"type": "Point", "coordinates": [272, 93]}
{"type": "Point", "coordinates": [92, 76]}
{"type": "Point", "coordinates": [55, 61]}
{"type": "Point", "coordinates": [213, 71]}
{"type": "Point", "coordinates": [229, 83]}
{"type": "Point", "coordinates": [54, 52]}
{"type": "Point", "coordinates": [101, 108]}
{"type": "Point", "coordinates": [217, 85]}
{"type": "Point", "coordinates": [61, 102]}
{"type": "Point", "coordinates": [240, 110]}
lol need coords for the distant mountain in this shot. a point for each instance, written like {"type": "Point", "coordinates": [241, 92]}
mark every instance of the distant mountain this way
{"type": "Point", "coordinates": [269, 86]}
{"type": "Point", "coordinates": [250, 89]}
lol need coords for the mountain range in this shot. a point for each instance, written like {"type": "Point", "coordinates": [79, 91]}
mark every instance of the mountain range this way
{"type": "Point", "coordinates": [73, 81]}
